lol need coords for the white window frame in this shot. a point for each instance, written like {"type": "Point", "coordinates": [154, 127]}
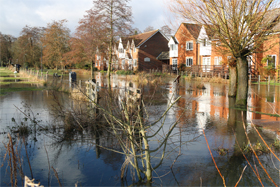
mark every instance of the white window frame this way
{"type": "Point", "coordinates": [272, 58]}
{"type": "Point", "coordinates": [188, 46]}
{"type": "Point", "coordinates": [188, 61]}
{"type": "Point", "coordinates": [173, 64]}
{"type": "Point", "coordinates": [147, 59]}
{"type": "Point", "coordinates": [204, 42]}
{"type": "Point", "coordinates": [206, 67]}
{"type": "Point", "coordinates": [217, 60]}
{"type": "Point", "coordinates": [123, 63]}
{"type": "Point", "coordinates": [174, 47]}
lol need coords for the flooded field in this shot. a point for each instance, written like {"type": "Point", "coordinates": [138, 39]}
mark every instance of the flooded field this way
{"type": "Point", "coordinates": [77, 157]}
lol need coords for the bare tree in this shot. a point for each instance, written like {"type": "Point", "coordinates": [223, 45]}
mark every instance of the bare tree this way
{"type": "Point", "coordinates": [149, 28]}
{"type": "Point", "coordinates": [90, 35]}
{"type": "Point", "coordinates": [116, 15]}
{"type": "Point", "coordinates": [240, 26]}
{"type": "Point", "coordinates": [166, 29]}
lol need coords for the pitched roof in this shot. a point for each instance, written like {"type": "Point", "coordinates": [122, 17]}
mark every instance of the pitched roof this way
{"type": "Point", "coordinates": [139, 39]}
{"type": "Point", "coordinates": [164, 55]}
{"type": "Point", "coordinates": [174, 39]}
{"type": "Point", "coordinates": [194, 29]}
{"type": "Point", "coordinates": [273, 16]}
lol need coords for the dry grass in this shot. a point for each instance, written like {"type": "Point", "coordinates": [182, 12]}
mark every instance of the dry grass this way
{"type": "Point", "coordinates": [207, 79]}
{"type": "Point", "coordinates": [78, 95]}
{"type": "Point", "coordinates": [146, 78]}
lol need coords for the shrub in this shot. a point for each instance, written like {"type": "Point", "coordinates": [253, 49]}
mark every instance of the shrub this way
{"type": "Point", "coordinates": [123, 72]}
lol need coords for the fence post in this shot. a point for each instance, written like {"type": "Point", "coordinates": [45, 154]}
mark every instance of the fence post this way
{"type": "Point", "coordinates": [268, 81]}
{"type": "Point", "coordinates": [250, 79]}
{"type": "Point", "coordinates": [259, 79]}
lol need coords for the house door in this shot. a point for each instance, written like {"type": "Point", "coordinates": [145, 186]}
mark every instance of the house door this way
{"type": "Point", "coordinates": [206, 64]}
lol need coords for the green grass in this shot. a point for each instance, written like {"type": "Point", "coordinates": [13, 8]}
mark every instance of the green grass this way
{"type": "Point", "coordinates": [272, 83]}
{"type": "Point", "coordinates": [12, 78]}
{"type": "Point", "coordinates": [4, 91]}
{"type": "Point", "coordinates": [7, 78]}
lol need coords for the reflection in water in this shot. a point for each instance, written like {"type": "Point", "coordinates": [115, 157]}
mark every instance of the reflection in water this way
{"type": "Point", "coordinates": [77, 158]}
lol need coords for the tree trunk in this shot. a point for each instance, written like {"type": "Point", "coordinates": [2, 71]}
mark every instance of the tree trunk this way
{"type": "Point", "coordinates": [232, 82]}
{"type": "Point", "coordinates": [111, 41]}
{"type": "Point", "coordinates": [242, 87]}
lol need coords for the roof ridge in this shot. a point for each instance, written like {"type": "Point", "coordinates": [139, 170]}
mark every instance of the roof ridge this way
{"type": "Point", "coordinates": [144, 33]}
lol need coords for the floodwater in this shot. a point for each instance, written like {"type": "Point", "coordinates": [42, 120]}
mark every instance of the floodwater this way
{"type": "Point", "coordinates": [188, 161]}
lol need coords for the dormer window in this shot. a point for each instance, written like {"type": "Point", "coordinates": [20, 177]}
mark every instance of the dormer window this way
{"type": "Point", "coordinates": [173, 47]}
{"type": "Point", "coordinates": [204, 42]}
{"type": "Point", "coordinates": [189, 45]}
{"type": "Point", "coordinates": [121, 50]}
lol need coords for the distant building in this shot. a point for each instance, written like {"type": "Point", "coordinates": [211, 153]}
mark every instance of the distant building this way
{"type": "Point", "coordinates": [138, 52]}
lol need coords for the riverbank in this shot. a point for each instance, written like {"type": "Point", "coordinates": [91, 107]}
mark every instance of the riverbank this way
{"type": "Point", "coordinates": [13, 82]}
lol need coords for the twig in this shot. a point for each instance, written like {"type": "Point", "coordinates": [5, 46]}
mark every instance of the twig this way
{"type": "Point", "coordinates": [56, 175]}
{"type": "Point", "coordinates": [240, 176]}
{"type": "Point", "coordinates": [27, 157]}
{"type": "Point", "coordinates": [214, 159]}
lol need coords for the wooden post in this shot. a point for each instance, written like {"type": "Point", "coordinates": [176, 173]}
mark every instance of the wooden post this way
{"type": "Point", "coordinates": [80, 83]}
{"type": "Point", "coordinates": [268, 81]}
{"type": "Point", "coordinates": [259, 79]}
{"type": "Point", "coordinates": [250, 78]}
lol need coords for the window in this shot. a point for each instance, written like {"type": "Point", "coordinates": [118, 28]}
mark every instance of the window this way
{"type": "Point", "coordinates": [135, 63]}
{"type": "Point", "coordinates": [173, 47]}
{"type": "Point", "coordinates": [174, 64]}
{"type": "Point", "coordinates": [206, 62]}
{"type": "Point", "coordinates": [147, 59]}
{"type": "Point", "coordinates": [204, 42]}
{"type": "Point", "coordinates": [189, 45]}
{"type": "Point", "coordinates": [189, 61]}
{"type": "Point", "coordinates": [134, 50]}
{"type": "Point", "coordinates": [123, 64]}
{"type": "Point", "coordinates": [271, 61]}
{"type": "Point", "coordinates": [121, 50]}
{"type": "Point", "coordinates": [217, 60]}
{"type": "Point", "coordinates": [130, 64]}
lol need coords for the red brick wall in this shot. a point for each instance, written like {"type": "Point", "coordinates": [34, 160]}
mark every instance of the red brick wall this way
{"type": "Point", "coordinates": [272, 47]}
{"type": "Point", "coordinates": [183, 35]}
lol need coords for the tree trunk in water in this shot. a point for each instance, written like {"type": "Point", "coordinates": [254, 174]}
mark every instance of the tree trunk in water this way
{"type": "Point", "coordinates": [232, 82]}
{"type": "Point", "coordinates": [242, 87]}
{"type": "Point", "coordinates": [239, 130]}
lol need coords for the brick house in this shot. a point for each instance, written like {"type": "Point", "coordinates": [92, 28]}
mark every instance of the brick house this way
{"type": "Point", "coordinates": [183, 47]}
{"type": "Point", "coordinates": [140, 52]}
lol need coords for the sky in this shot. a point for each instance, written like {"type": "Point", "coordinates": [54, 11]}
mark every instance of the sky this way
{"type": "Point", "coordinates": [16, 14]}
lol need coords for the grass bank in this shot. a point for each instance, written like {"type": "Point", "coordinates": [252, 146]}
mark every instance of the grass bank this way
{"type": "Point", "coordinates": [10, 82]}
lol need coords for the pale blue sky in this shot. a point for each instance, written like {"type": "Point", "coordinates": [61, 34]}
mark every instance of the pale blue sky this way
{"type": "Point", "coordinates": [15, 14]}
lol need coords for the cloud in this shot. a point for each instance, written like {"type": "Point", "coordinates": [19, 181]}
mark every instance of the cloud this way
{"type": "Point", "coordinates": [16, 14]}
{"type": "Point", "coordinates": [149, 13]}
